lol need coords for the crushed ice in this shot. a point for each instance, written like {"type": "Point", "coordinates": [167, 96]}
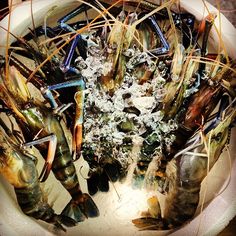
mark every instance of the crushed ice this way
{"type": "Point", "coordinates": [104, 113]}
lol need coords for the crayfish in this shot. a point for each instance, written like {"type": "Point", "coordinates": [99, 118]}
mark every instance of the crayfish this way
{"type": "Point", "coordinates": [136, 76]}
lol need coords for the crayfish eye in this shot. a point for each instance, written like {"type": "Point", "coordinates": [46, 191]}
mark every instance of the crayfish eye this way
{"type": "Point", "coordinates": [217, 137]}
{"type": "Point", "coordinates": [27, 106]}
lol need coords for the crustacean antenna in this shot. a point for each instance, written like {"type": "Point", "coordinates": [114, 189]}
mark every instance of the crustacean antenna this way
{"type": "Point", "coordinates": [67, 41]}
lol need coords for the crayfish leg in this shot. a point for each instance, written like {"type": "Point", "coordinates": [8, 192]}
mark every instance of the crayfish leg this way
{"type": "Point", "coordinates": [52, 139]}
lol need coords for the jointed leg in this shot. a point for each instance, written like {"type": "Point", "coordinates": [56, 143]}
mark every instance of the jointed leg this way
{"type": "Point", "coordinates": [52, 139]}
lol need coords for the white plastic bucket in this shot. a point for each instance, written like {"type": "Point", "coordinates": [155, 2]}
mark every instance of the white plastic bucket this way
{"type": "Point", "coordinates": [116, 215]}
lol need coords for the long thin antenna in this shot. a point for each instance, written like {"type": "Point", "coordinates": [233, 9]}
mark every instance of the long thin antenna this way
{"type": "Point", "coordinates": [113, 185]}
{"type": "Point", "coordinates": [8, 40]}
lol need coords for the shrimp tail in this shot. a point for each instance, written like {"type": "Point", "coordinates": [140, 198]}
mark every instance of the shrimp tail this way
{"type": "Point", "coordinates": [65, 220]}
{"type": "Point", "coordinates": [150, 223]}
{"type": "Point", "coordinates": [81, 209]}
{"type": "Point", "coordinates": [30, 196]}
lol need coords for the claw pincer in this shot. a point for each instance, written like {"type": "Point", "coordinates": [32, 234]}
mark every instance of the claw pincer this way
{"type": "Point", "coordinates": [37, 120]}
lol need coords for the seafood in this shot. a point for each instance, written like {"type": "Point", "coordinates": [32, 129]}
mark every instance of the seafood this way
{"type": "Point", "coordinates": [142, 77]}
{"type": "Point", "coordinates": [34, 118]}
{"type": "Point", "coordinates": [18, 166]}
{"type": "Point", "coordinates": [187, 169]}
{"type": "Point", "coordinates": [101, 171]}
